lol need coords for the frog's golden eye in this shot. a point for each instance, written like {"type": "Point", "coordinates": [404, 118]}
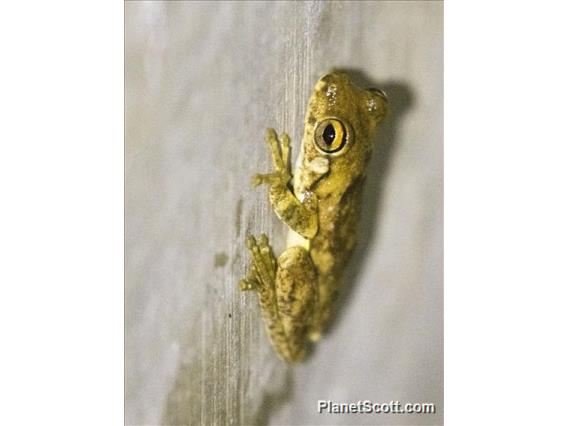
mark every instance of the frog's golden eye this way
{"type": "Point", "coordinates": [330, 135]}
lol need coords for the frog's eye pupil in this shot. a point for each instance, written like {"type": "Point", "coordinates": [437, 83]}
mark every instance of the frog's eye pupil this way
{"type": "Point", "coordinates": [328, 134]}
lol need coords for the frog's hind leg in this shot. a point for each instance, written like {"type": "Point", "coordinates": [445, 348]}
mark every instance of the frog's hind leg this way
{"type": "Point", "coordinates": [261, 278]}
{"type": "Point", "coordinates": [296, 284]}
{"type": "Point", "coordinates": [287, 292]}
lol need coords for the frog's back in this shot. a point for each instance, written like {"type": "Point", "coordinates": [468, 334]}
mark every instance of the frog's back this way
{"type": "Point", "coordinates": [333, 246]}
{"type": "Point", "coordinates": [337, 235]}
{"type": "Point", "coordinates": [340, 126]}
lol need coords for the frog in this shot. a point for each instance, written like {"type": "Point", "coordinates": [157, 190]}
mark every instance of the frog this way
{"type": "Point", "coordinates": [320, 202]}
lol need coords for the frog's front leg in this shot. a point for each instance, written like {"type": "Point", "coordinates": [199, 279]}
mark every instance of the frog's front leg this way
{"type": "Point", "coordinates": [287, 294]}
{"type": "Point", "coordinates": [300, 216]}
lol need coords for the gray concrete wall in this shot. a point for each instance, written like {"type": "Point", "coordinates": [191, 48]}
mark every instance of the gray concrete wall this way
{"type": "Point", "coordinates": [203, 82]}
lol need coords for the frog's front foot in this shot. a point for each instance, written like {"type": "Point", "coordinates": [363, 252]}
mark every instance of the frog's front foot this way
{"type": "Point", "coordinates": [280, 151]}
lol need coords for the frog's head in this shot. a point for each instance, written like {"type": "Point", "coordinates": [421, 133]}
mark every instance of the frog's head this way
{"type": "Point", "coordinates": [340, 124]}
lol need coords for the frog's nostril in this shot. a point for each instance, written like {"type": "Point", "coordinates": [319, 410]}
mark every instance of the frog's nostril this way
{"type": "Point", "coordinates": [379, 92]}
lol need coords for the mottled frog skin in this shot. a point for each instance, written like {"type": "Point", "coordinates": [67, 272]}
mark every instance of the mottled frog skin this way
{"type": "Point", "coordinates": [320, 204]}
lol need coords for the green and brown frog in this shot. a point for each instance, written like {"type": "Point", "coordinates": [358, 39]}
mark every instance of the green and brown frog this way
{"type": "Point", "coordinates": [320, 203]}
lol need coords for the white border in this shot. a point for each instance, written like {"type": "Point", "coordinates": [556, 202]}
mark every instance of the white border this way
{"type": "Point", "coordinates": [506, 213]}
{"type": "Point", "coordinates": [61, 223]}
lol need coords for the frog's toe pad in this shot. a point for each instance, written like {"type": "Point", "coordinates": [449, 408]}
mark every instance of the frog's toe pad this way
{"type": "Point", "coordinates": [247, 284]}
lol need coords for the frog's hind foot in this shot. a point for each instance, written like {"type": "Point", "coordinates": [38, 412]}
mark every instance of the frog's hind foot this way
{"type": "Point", "coordinates": [262, 272]}
{"type": "Point", "coordinates": [287, 294]}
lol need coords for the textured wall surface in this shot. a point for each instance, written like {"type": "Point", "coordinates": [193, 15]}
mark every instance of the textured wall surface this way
{"type": "Point", "coordinates": [203, 82]}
